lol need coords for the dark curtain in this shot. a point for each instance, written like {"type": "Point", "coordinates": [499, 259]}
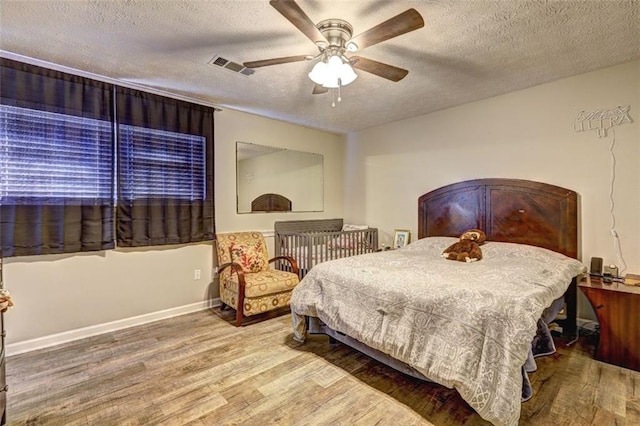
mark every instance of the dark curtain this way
{"type": "Point", "coordinates": [158, 218]}
{"type": "Point", "coordinates": [61, 223]}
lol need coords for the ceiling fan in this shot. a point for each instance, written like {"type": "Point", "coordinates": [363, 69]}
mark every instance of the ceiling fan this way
{"type": "Point", "coordinates": [334, 39]}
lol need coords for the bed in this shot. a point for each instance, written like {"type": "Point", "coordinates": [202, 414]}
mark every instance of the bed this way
{"type": "Point", "coordinates": [476, 327]}
{"type": "Point", "coordinates": [311, 242]}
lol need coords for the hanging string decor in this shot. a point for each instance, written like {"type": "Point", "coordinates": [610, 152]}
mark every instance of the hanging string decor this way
{"type": "Point", "coordinates": [603, 121]}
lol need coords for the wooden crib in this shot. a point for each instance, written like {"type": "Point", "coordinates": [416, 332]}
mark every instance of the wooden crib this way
{"type": "Point", "coordinates": [315, 241]}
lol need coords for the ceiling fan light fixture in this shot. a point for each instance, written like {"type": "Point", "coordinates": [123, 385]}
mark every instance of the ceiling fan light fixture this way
{"type": "Point", "coordinates": [333, 73]}
{"type": "Point", "coordinates": [319, 73]}
{"type": "Point", "coordinates": [334, 64]}
{"type": "Point", "coordinates": [347, 75]}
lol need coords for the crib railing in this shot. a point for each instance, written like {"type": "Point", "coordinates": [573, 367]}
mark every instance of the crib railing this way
{"type": "Point", "coordinates": [312, 248]}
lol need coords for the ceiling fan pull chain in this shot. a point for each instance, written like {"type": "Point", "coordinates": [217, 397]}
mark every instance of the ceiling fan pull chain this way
{"type": "Point", "coordinates": [333, 98]}
{"type": "Point", "coordinates": [339, 86]}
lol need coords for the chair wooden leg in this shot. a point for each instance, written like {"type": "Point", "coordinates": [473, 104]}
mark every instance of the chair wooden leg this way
{"type": "Point", "coordinates": [239, 316]}
{"type": "Point", "coordinates": [240, 307]}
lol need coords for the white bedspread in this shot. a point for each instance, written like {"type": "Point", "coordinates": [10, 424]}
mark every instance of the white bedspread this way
{"type": "Point", "coordinates": [464, 325]}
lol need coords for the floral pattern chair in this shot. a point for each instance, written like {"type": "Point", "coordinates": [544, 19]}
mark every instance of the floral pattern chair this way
{"type": "Point", "coordinates": [247, 282]}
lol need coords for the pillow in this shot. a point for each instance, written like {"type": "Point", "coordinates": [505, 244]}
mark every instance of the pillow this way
{"type": "Point", "coordinates": [251, 257]}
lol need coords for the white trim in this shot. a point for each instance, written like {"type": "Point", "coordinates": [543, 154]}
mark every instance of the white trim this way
{"type": "Point", "coordinates": [93, 330]}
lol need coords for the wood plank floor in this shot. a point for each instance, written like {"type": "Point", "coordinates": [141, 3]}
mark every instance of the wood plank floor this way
{"type": "Point", "coordinates": [198, 369]}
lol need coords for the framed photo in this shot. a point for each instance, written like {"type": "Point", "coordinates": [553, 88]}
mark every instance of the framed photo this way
{"type": "Point", "coordinates": [401, 237]}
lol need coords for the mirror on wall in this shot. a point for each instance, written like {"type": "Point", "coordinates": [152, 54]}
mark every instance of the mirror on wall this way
{"type": "Point", "coordinates": [270, 179]}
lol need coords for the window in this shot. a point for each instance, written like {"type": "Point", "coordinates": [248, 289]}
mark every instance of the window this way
{"type": "Point", "coordinates": [59, 169]}
{"type": "Point", "coordinates": [56, 174]}
{"type": "Point", "coordinates": [161, 164]}
{"type": "Point", "coordinates": [48, 157]}
{"type": "Point", "coordinates": [165, 163]}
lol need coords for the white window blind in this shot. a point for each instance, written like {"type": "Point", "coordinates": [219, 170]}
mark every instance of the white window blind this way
{"type": "Point", "coordinates": [160, 164]}
{"type": "Point", "coordinates": [47, 156]}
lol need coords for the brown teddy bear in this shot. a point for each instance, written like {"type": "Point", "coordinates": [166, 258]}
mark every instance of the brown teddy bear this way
{"type": "Point", "coordinates": [468, 248]}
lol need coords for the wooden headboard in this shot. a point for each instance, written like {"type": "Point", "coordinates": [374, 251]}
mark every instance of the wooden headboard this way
{"type": "Point", "coordinates": [507, 210]}
{"type": "Point", "coordinates": [271, 203]}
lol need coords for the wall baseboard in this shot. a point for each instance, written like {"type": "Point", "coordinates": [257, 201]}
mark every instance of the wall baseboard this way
{"type": "Point", "coordinates": [81, 333]}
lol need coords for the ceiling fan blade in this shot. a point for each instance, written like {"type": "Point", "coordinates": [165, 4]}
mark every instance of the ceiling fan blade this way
{"type": "Point", "coordinates": [378, 68]}
{"type": "Point", "coordinates": [405, 22]}
{"type": "Point", "coordinates": [290, 10]}
{"type": "Point", "coordinates": [318, 90]}
{"type": "Point", "coordinates": [275, 61]}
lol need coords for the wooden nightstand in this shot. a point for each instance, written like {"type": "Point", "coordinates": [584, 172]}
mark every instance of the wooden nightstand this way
{"type": "Point", "coordinates": [617, 307]}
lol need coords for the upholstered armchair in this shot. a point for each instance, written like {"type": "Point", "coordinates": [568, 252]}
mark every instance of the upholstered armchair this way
{"type": "Point", "coordinates": [247, 282]}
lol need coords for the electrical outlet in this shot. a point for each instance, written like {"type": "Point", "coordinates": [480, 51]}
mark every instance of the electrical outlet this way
{"type": "Point", "coordinates": [197, 274]}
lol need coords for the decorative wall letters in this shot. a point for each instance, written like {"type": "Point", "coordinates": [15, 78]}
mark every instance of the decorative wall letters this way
{"type": "Point", "coordinates": [602, 120]}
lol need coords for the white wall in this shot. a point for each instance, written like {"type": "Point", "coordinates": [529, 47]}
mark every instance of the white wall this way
{"type": "Point", "coordinates": [59, 297]}
{"type": "Point", "coordinates": [526, 134]}
{"type": "Point", "coordinates": [60, 293]}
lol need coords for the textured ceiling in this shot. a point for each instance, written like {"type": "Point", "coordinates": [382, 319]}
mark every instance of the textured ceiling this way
{"type": "Point", "coordinates": [467, 50]}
